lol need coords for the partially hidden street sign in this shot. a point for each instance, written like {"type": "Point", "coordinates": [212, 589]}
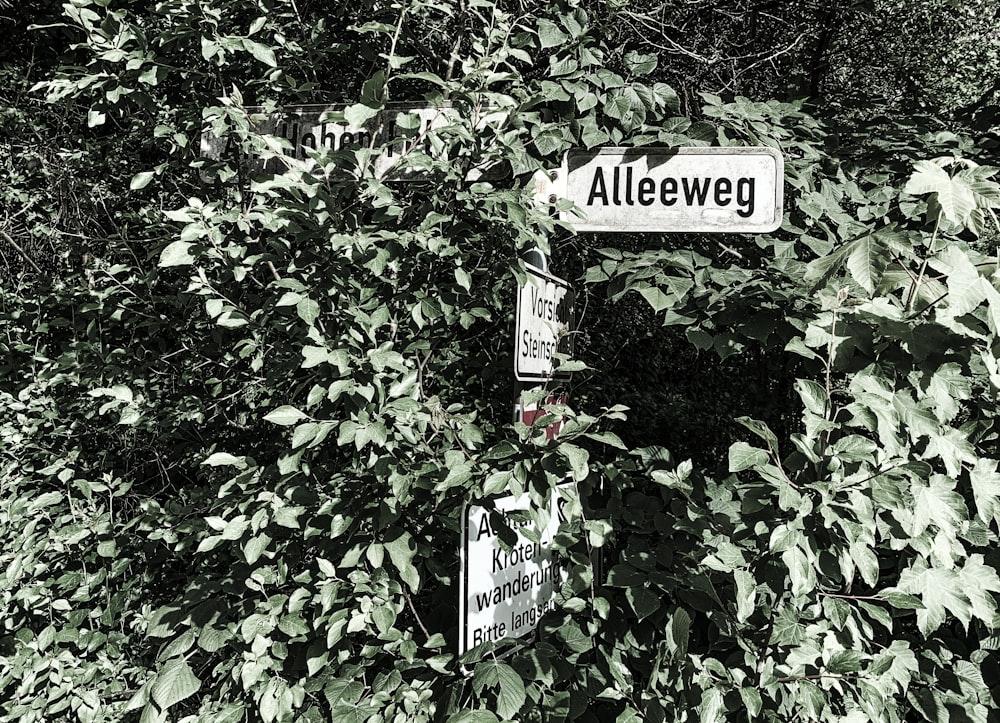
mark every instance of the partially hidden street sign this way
{"type": "Point", "coordinates": [721, 190]}
{"type": "Point", "coordinates": [543, 326]}
{"type": "Point", "coordinates": [503, 594]}
{"type": "Point", "coordinates": [310, 128]}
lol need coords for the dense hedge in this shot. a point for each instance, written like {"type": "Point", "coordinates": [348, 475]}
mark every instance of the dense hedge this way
{"type": "Point", "coordinates": [241, 410]}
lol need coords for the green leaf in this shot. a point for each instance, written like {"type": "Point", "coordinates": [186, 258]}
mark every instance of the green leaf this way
{"type": "Point", "coordinates": [866, 561]}
{"type": "Point", "coordinates": [223, 459]}
{"type": "Point", "coordinates": [798, 346]}
{"type": "Point", "coordinates": [457, 475]}
{"type": "Point", "coordinates": [511, 695]}
{"type": "Point", "coordinates": [374, 432]}
{"type": "Point", "coordinates": [313, 356]}
{"type": "Point", "coordinates": [752, 701]}
{"type": "Point", "coordinates": [285, 415]}
{"type": "Point", "coordinates": [819, 270]}
{"type": "Point", "coordinates": [359, 114]}
{"type": "Point", "coordinates": [308, 310]}
{"type": "Point", "coordinates": [640, 63]}
{"type": "Point", "coordinates": [177, 253]}
{"type": "Point", "coordinates": [578, 459]}
{"type": "Point", "coordinates": [940, 590]}
{"type": "Point", "coordinates": [937, 503]}
{"type": "Point", "coordinates": [656, 298]}
{"type": "Point", "coordinates": [986, 489]}
{"type": "Point", "coordinates": [712, 707]}
{"type": "Point", "coordinates": [953, 193]}
{"type": "Point", "coordinates": [897, 665]}
{"type": "Point", "coordinates": [867, 262]}
{"type": "Point", "coordinates": [174, 683]}
{"type": "Point", "coordinates": [261, 52]}
{"type": "Point", "coordinates": [384, 617]}
{"type": "Point", "coordinates": [844, 661]}
{"type": "Point", "coordinates": [760, 429]}
{"type": "Point", "coordinates": [643, 601]}
{"type": "Point", "coordinates": [162, 622]}
{"type": "Point", "coordinates": [624, 575]}
{"type": "Point", "coordinates": [549, 141]}
{"type": "Point", "coordinates": [141, 180]}
{"type": "Point", "coordinates": [232, 319]}
{"type": "Point", "coordinates": [549, 34]}
{"type": "Point", "coordinates": [473, 716]}
{"type": "Point", "coordinates": [402, 551]}
{"type": "Point", "coordinates": [590, 134]}
{"type": "Point", "coordinates": [812, 699]}
{"type": "Point", "coordinates": [305, 433]}
{"type": "Point", "coordinates": [679, 632]}
{"type": "Point", "coordinates": [405, 385]}
{"type": "Point", "coordinates": [178, 646]}
{"type": "Point", "coordinates": [978, 580]}
{"type": "Point", "coordinates": [965, 286]}
{"type": "Point", "coordinates": [900, 600]}
{"type": "Point", "coordinates": [800, 571]}
{"type": "Point", "coordinates": [947, 387]}
{"type": "Point", "coordinates": [235, 528]}
{"type": "Point", "coordinates": [496, 483]}
{"type": "Point", "coordinates": [152, 714]}
{"type": "Point", "coordinates": [256, 624]}
{"type": "Point", "coordinates": [575, 639]}
{"type": "Point", "coordinates": [742, 456]}
{"type": "Point", "coordinates": [626, 105]}
{"type": "Point", "coordinates": [667, 98]}
{"type": "Point", "coordinates": [255, 547]}
{"type": "Point", "coordinates": [746, 594]}
{"type": "Point", "coordinates": [813, 396]}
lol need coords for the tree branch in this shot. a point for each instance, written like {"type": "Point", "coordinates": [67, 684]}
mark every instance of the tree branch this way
{"type": "Point", "coordinates": [24, 254]}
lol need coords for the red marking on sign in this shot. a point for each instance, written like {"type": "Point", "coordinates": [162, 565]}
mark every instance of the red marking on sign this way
{"type": "Point", "coordinates": [531, 412]}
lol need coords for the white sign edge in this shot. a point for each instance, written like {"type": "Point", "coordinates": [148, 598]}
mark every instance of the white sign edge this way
{"type": "Point", "coordinates": [463, 585]}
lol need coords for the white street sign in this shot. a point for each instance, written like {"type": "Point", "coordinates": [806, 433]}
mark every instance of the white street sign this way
{"type": "Point", "coordinates": [722, 190]}
{"type": "Point", "coordinates": [503, 594]}
{"type": "Point", "coordinates": [544, 322]}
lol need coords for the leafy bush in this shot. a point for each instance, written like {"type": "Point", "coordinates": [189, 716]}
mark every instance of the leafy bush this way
{"type": "Point", "coordinates": [239, 432]}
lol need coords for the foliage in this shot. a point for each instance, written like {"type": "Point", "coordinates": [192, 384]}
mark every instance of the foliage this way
{"type": "Point", "coordinates": [239, 430]}
{"type": "Point", "coordinates": [844, 571]}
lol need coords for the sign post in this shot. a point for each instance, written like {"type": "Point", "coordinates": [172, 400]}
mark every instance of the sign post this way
{"type": "Point", "coordinates": [503, 594]}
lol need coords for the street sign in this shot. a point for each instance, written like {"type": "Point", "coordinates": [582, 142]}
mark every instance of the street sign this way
{"type": "Point", "coordinates": [528, 412]}
{"type": "Point", "coordinates": [503, 594]}
{"type": "Point", "coordinates": [315, 127]}
{"type": "Point", "coordinates": [544, 322]}
{"type": "Point", "coordinates": [722, 190]}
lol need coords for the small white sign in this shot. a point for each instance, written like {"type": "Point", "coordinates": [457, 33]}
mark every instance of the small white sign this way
{"type": "Point", "coordinates": [544, 322]}
{"type": "Point", "coordinates": [503, 594]}
{"type": "Point", "coordinates": [722, 190]}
